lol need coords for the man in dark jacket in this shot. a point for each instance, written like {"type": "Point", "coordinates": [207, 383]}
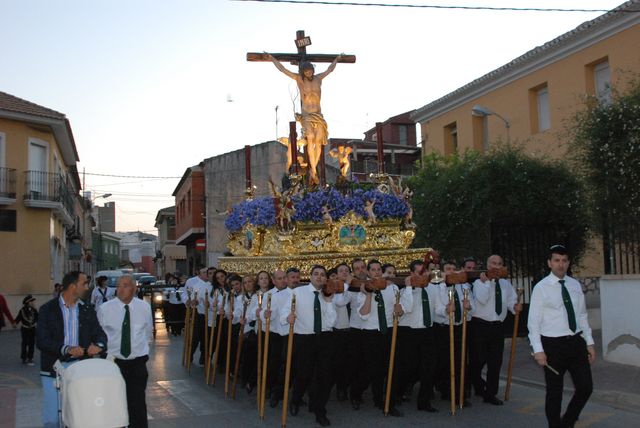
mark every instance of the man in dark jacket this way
{"type": "Point", "coordinates": [67, 330]}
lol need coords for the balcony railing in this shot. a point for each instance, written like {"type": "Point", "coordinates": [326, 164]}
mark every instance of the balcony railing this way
{"type": "Point", "coordinates": [8, 183]}
{"type": "Point", "coordinates": [368, 166]}
{"type": "Point", "coordinates": [48, 190]}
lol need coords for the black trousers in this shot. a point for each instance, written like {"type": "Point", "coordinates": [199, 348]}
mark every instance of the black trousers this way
{"type": "Point", "coordinates": [376, 347]}
{"type": "Point", "coordinates": [358, 377]}
{"type": "Point", "coordinates": [274, 363]}
{"type": "Point", "coordinates": [568, 353]}
{"type": "Point", "coordinates": [28, 343]}
{"type": "Point", "coordinates": [198, 336]}
{"type": "Point", "coordinates": [441, 378]}
{"type": "Point", "coordinates": [417, 361]}
{"type": "Point", "coordinates": [135, 377]}
{"type": "Point", "coordinates": [278, 385]}
{"type": "Point", "coordinates": [341, 368]}
{"type": "Point", "coordinates": [445, 361]}
{"type": "Point", "coordinates": [249, 359]}
{"type": "Point", "coordinates": [487, 339]}
{"type": "Point", "coordinates": [313, 356]}
{"type": "Point", "coordinates": [175, 316]}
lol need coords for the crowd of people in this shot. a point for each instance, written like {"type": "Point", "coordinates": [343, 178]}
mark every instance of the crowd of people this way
{"type": "Point", "coordinates": [343, 339]}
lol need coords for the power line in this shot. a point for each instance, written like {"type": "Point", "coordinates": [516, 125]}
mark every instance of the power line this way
{"type": "Point", "coordinates": [430, 6]}
{"type": "Point", "coordinates": [129, 176]}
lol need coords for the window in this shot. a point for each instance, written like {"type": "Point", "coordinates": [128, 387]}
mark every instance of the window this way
{"type": "Point", "coordinates": [544, 121]}
{"type": "Point", "coordinates": [451, 138]}
{"type": "Point", "coordinates": [7, 220]}
{"type": "Point", "coordinates": [403, 135]}
{"type": "Point", "coordinates": [602, 81]}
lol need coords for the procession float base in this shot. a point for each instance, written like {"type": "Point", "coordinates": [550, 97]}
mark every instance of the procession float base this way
{"type": "Point", "coordinates": [254, 264]}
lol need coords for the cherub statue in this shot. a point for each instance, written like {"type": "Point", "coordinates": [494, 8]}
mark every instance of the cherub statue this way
{"type": "Point", "coordinates": [326, 215]}
{"type": "Point", "coordinates": [342, 154]}
{"type": "Point", "coordinates": [368, 207]}
{"type": "Point", "coordinates": [407, 193]}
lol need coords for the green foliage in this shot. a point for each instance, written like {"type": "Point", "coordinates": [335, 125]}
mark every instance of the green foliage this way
{"type": "Point", "coordinates": [457, 198]}
{"type": "Point", "coordinates": [606, 142]}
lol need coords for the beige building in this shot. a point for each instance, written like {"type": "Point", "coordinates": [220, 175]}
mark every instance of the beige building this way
{"type": "Point", "coordinates": [530, 101]}
{"type": "Point", "coordinates": [41, 211]}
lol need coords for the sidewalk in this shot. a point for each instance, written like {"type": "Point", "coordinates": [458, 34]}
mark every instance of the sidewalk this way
{"type": "Point", "coordinates": [616, 385]}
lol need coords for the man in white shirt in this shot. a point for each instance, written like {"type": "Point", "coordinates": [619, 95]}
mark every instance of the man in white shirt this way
{"type": "Point", "coordinates": [341, 333]}
{"type": "Point", "coordinates": [561, 338]}
{"type": "Point", "coordinates": [493, 298]}
{"type": "Point", "coordinates": [102, 293]}
{"type": "Point", "coordinates": [313, 323]}
{"type": "Point", "coordinates": [376, 310]}
{"type": "Point", "coordinates": [199, 286]}
{"type": "Point", "coordinates": [127, 322]}
{"type": "Point", "coordinates": [416, 340]}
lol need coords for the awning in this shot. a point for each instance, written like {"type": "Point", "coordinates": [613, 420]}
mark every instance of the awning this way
{"type": "Point", "coordinates": [175, 252]}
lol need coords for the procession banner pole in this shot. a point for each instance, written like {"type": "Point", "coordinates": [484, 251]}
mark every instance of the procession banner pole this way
{"type": "Point", "coordinates": [211, 337]}
{"type": "Point", "coordinates": [259, 362]}
{"type": "Point", "coordinates": [392, 354]}
{"type": "Point", "coordinates": [216, 356]}
{"type": "Point", "coordinates": [512, 355]}
{"type": "Point", "coordinates": [452, 358]}
{"type": "Point", "coordinates": [206, 336]}
{"type": "Point", "coordinates": [194, 312]}
{"type": "Point", "coordinates": [265, 360]}
{"type": "Point", "coordinates": [229, 337]}
{"type": "Point", "coordinates": [236, 369]}
{"type": "Point", "coordinates": [287, 370]}
{"type": "Point", "coordinates": [187, 318]}
{"type": "Point", "coordinates": [463, 348]}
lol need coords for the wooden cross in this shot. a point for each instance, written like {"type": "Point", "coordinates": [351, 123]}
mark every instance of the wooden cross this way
{"type": "Point", "coordinates": [302, 42]}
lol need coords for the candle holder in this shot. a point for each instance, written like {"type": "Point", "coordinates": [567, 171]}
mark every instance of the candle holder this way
{"type": "Point", "coordinates": [383, 181]}
{"type": "Point", "coordinates": [249, 191]}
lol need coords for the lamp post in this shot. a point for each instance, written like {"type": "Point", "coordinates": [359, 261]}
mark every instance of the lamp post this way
{"type": "Point", "coordinates": [482, 111]}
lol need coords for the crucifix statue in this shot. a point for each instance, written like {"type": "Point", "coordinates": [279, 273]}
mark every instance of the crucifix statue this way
{"type": "Point", "coordinates": [314, 127]}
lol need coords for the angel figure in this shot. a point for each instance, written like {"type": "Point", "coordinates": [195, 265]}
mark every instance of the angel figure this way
{"type": "Point", "coordinates": [342, 154]}
{"type": "Point", "coordinates": [326, 215]}
{"type": "Point", "coordinates": [408, 219]}
{"type": "Point", "coordinates": [368, 207]}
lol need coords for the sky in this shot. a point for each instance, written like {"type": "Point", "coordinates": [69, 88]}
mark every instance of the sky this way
{"type": "Point", "coordinates": [152, 87]}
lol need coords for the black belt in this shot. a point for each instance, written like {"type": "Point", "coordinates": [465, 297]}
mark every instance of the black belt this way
{"type": "Point", "coordinates": [482, 321]}
{"type": "Point", "coordinates": [137, 359]}
{"type": "Point", "coordinates": [567, 337]}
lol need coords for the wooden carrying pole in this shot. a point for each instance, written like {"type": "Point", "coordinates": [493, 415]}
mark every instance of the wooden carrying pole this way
{"type": "Point", "coordinates": [185, 341]}
{"type": "Point", "coordinates": [512, 355]}
{"type": "Point", "coordinates": [259, 377]}
{"type": "Point", "coordinates": [236, 368]}
{"type": "Point", "coordinates": [287, 370]}
{"type": "Point", "coordinates": [463, 348]}
{"type": "Point", "coordinates": [452, 355]}
{"type": "Point", "coordinates": [214, 312]}
{"type": "Point", "coordinates": [194, 311]}
{"type": "Point", "coordinates": [206, 336]}
{"type": "Point", "coordinates": [392, 355]}
{"type": "Point", "coordinates": [218, 340]}
{"type": "Point", "coordinates": [265, 359]}
{"type": "Point", "coordinates": [229, 337]}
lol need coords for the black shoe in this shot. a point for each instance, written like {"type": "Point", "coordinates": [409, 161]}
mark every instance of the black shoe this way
{"type": "Point", "coordinates": [428, 408]}
{"type": "Point", "coordinates": [395, 412]}
{"type": "Point", "coordinates": [273, 401]}
{"type": "Point", "coordinates": [323, 420]}
{"type": "Point", "coordinates": [249, 388]}
{"type": "Point", "coordinates": [493, 400]}
{"type": "Point", "coordinates": [294, 409]}
{"type": "Point", "coordinates": [341, 395]}
{"type": "Point", "coordinates": [355, 404]}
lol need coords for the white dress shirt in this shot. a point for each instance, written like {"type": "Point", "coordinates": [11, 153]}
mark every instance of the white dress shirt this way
{"type": "Point", "coordinates": [411, 299]}
{"type": "Point", "coordinates": [341, 300]}
{"type": "Point", "coordinates": [305, 299]}
{"type": "Point", "coordinates": [191, 282]}
{"type": "Point", "coordinates": [215, 305]}
{"type": "Point", "coordinates": [443, 301]}
{"type": "Point", "coordinates": [239, 310]}
{"type": "Point", "coordinates": [96, 295]}
{"type": "Point", "coordinates": [370, 320]}
{"type": "Point", "coordinates": [346, 298]}
{"type": "Point", "coordinates": [201, 288]}
{"type": "Point", "coordinates": [173, 296]}
{"type": "Point", "coordinates": [111, 316]}
{"type": "Point", "coordinates": [548, 315]}
{"type": "Point", "coordinates": [484, 294]}
{"type": "Point", "coordinates": [279, 298]}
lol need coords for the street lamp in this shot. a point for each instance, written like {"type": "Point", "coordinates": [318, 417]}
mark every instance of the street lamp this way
{"type": "Point", "coordinates": [482, 111]}
{"type": "Point", "coordinates": [106, 195]}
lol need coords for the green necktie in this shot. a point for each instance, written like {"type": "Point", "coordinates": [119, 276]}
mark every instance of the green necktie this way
{"type": "Point", "coordinates": [382, 313]}
{"type": "Point", "coordinates": [125, 341]}
{"type": "Point", "coordinates": [458, 308]}
{"type": "Point", "coordinates": [426, 312]}
{"type": "Point", "coordinates": [498, 298]}
{"type": "Point", "coordinates": [569, 306]}
{"type": "Point", "coordinates": [317, 315]}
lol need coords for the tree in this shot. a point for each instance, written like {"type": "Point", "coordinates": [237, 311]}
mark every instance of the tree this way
{"type": "Point", "coordinates": [463, 202]}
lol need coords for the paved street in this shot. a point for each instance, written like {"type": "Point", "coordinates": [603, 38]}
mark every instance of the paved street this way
{"type": "Point", "coordinates": [177, 399]}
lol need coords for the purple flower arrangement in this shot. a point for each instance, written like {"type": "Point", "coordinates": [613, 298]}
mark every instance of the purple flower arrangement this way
{"type": "Point", "coordinates": [309, 207]}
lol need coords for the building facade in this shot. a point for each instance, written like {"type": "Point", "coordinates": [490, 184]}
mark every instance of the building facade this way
{"type": "Point", "coordinates": [190, 216]}
{"type": "Point", "coordinates": [41, 211]}
{"type": "Point", "coordinates": [170, 258]}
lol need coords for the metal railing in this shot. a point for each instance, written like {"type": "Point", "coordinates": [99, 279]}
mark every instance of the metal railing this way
{"type": "Point", "coordinates": [621, 244]}
{"type": "Point", "coordinates": [369, 166]}
{"type": "Point", "coordinates": [7, 183]}
{"type": "Point", "coordinates": [48, 187]}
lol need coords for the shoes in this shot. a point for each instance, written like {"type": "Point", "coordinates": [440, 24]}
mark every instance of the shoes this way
{"type": "Point", "coordinates": [493, 400]}
{"type": "Point", "coordinates": [395, 412]}
{"type": "Point", "coordinates": [355, 404]}
{"type": "Point", "coordinates": [294, 408]}
{"type": "Point", "coordinates": [273, 401]}
{"type": "Point", "coordinates": [428, 408]}
{"type": "Point", "coordinates": [24, 361]}
{"type": "Point", "coordinates": [30, 363]}
{"type": "Point", "coordinates": [322, 420]}
{"type": "Point", "coordinates": [249, 388]}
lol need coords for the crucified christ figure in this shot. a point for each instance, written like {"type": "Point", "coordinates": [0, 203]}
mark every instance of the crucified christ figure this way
{"type": "Point", "coordinates": [314, 127]}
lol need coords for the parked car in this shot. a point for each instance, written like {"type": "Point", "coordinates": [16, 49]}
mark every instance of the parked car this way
{"type": "Point", "coordinates": [112, 277]}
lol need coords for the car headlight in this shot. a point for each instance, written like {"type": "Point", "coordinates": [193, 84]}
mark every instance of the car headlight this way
{"type": "Point", "coordinates": [158, 297]}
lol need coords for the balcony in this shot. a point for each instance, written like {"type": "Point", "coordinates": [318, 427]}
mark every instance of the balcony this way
{"type": "Point", "coordinates": [7, 186]}
{"type": "Point", "coordinates": [49, 191]}
{"type": "Point", "coordinates": [362, 168]}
